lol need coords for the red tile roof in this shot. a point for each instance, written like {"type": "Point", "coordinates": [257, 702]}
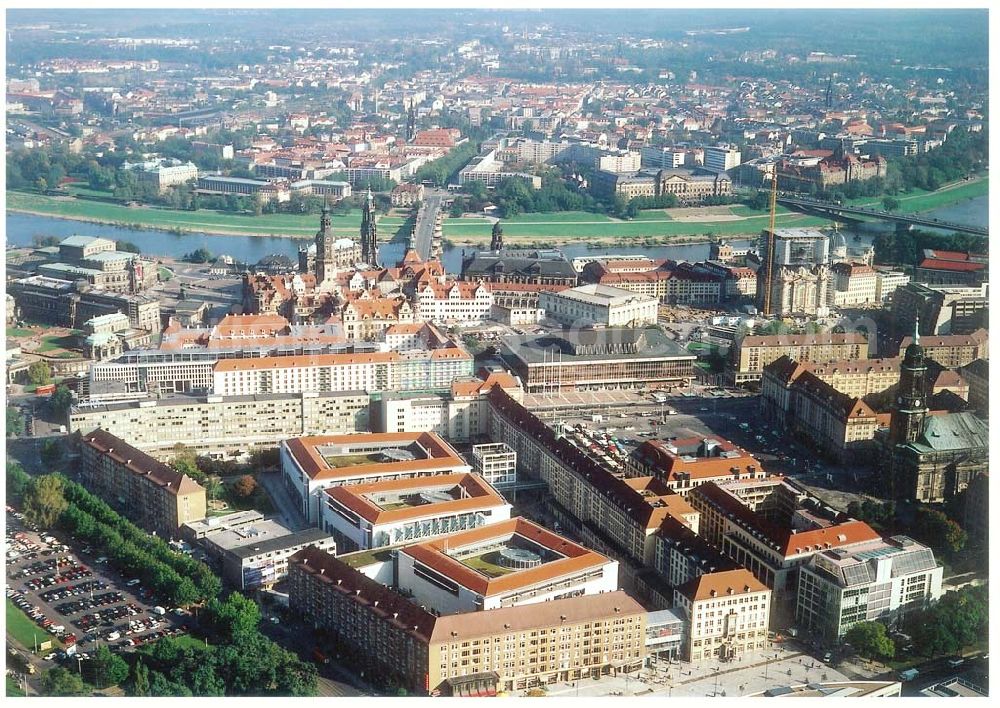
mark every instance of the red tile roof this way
{"type": "Point", "coordinates": [433, 553]}
{"type": "Point", "coordinates": [440, 455]}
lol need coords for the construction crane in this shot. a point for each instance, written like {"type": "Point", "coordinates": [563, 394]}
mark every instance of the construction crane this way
{"type": "Point", "coordinates": [770, 243]}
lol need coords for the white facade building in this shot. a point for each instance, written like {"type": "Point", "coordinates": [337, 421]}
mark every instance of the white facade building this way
{"type": "Point", "coordinates": [376, 371]}
{"type": "Point", "coordinates": [727, 614]}
{"type": "Point", "coordinates": [886, 283]}
{"type": "Point", "coordinates": [310, 465]}
{"type": "Point", "coordinates": [506, 564]}
{"type": "Point", "coordinates": [453, 302]}
{"type": "Point", "coordinates": [496, 463]}
{"type": "Point", "coordinates": [460, 415]}
{"type": "Point", "coordinates": [878, 581]}
{"type": "Point", "coordinates": [721, 159]}
{"type": "Point", "coordinates": [390, 512]}
{"type": "Point", "coordinates": [597, 304]}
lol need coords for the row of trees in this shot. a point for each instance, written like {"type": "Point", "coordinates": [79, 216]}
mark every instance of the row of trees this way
{"type": "Point", "coordinates": [907, 248]}
{"type": "Point", "coordinates": [961, 154]}
{"type": "Point", "coordinates": [53, 499]}
{"type": "Point", "coordinates": [439, 171]}
{"type": "Point", "coordinates": [930, 526]}
{"type": "Point", "coordinates": [958, 620]}
{"type": "Point", "coordinates": [174, 575]}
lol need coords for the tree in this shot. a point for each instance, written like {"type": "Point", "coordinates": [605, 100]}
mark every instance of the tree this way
{"type": "Point", "coordinates": [127, 247]}
{"type": "Point", "coordinates": [162, 686]}
{"type": "Point", "coordinates": [870, 640]}
{"type": "Point", "coordinates": [15, 421]}
{"type": "Point", "coordinates": [61, 400]}
{"type": "Point", "coordinates": [265, 459]}
{"type": "Point", "coordinates": [40, 373]}
{"type": "Point", "coordinates": [107, 669]}
{"type": "Point", "coordinates": [199, 255]}
{"type": "Point", "coordinates": [930, 637]}
{"type": "Point", "coordinates": [18, 480]}
{"type": "Point", "coordinates": [186, 462]}
{"type": "Point", "coordinates": [890, 203]}
{"type": "Point", "coordinates": [44, 501]}
{"type": "Point", "coordinates": [63, 682]}
{"type": "Point", "coordinates": [51, 453]}
{"type": "Point", "coordinates": [938, 531]}
{"type": "Point", "coordinates": [139, 685]}
{"type": "Point", "coordinates": [245, 486]}
{"type": "Point", "coordinates": [236, 618]}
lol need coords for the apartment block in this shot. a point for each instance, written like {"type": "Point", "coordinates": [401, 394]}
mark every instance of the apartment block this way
{"type": "Point", "coordinates": [836, 423]}
{"type": "Point", "coordinates": [687, 462]}
{"type": "Point", "coordinates": [466, 654]}
{"type": "Point", "coordinates": [751, 353]}
{"type": "Point", "coordinates": [496, 463]}
{"type": "Point", "coordinates": [625, 512]}
{"type": "Point", "coordinates": [773, 546]}
{"type": "Point", "coordinates": [149, 493]}
{"type": "Point", "coordinates": [376, 371]}
{"type": "Point", "coordinates": [953, 350]}
{"type": "Point", "coordinates": [460, 415]}
{"type": "Point", "coordinates": [728, 615]}
{"type": "Point", "coordinates": [226, 427]}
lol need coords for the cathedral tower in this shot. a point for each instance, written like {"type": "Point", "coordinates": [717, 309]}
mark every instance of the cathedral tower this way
{"type": "Point", "coordinates": [910, 408]}
{"type": "Point", "coordinates": [325, 260]}
{"type": "Point", "coordinates": [369, 234]}
{"type": "Point", "coordinates": [496, 240]}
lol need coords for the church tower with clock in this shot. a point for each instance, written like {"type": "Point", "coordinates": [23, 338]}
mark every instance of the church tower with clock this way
{"type": "Point", "coordinates": [910, 409]}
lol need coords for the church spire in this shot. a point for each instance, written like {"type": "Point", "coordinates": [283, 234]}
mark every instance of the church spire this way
{"type": "Point", "coordinates": [496, 240]}
{"type": "Point", "coordinates": [411, 123]}
{"type": "Point", "coordinates": [369, 232]}
{"type": "Point", "coordinates": [325, 260]}
{"type": "Point", "coordinates": [916, 330]}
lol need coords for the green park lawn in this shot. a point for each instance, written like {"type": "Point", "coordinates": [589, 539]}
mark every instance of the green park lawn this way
{"type": "Point", "coordinates": [13, 688]}
{"type": "Point", "coordinates": [20, 626]}
{"type": "Point", "coordinates": [639, 228]}
{"type": "Point", "coordinates": [53, 343]}
{"type": "Point", "coordinates": [560, 226]}
{"type": "Point", "coordinates": [18, 333]}
{"type": "Point", "coordinates": [486, 567]}
{"type": "Point", "coordinates": [922, 200]}
{"type": "Point", "coordinates": [80, 189]}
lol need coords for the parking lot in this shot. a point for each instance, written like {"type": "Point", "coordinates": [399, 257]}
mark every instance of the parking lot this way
{"type": "Point", "coordinates": [74, 597]}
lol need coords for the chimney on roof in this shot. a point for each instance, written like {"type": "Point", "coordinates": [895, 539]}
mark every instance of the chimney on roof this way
{"type": "Point", "coordinates": [746, 588]}
{"type": "Point", "coordinates": [339, 580]}
{"type": "Point", "coordinates": [712, 592]}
